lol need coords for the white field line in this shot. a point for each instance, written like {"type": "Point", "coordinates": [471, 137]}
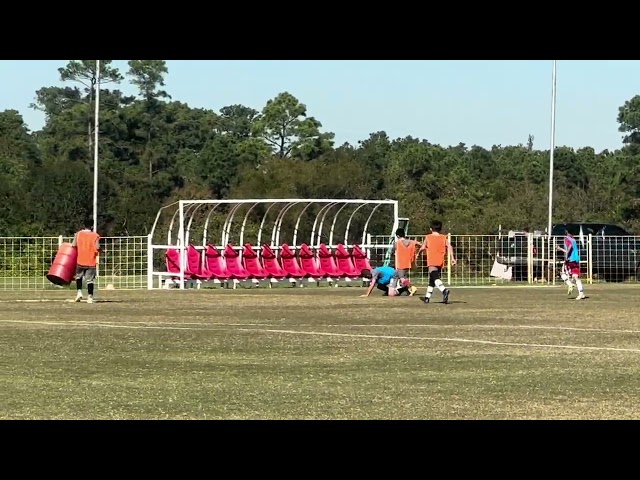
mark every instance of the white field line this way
{"type": "Point", "coordinates": [328, 334]}
{"type": "Point", "coordinates": [442, 339]}
{"type": "Point", "coordinates": [43, 300]}
{"type": "Point", "coordinates": [122, 324]}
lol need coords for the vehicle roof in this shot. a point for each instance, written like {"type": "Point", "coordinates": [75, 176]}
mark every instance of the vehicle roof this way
{"type": "Point", "coordinates": [586, 226]}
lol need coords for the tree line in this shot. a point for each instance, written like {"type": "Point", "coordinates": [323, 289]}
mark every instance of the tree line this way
{"type": "Point", "coordinates": [154, 150]}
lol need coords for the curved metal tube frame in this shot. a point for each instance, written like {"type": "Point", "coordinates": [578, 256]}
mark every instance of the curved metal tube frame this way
{"type": "Point", "coordinates": [315, 222]}
{"type": "Point", "coordinates": [333, 224]}
{"type": "Point", "coordinates": [206, 224]}
{"type": "Point", "coordinates": [173, 219]}
{"type": "Point", "coordinates": [244, 222]}
{"type": "Point", "coordinates": [227, 224]}
{"type": "Point", "coordinates": [264, 218]}
{"type": "Point", "coordinates": [319, 235]}
{"type": "Point", "coordinates": [155, 223]}
{"type": "Point", "coordinates": [346, 232]}
{"type": "Point", "coordinates": [295, 229]}
{"type": "Point", "coordinates": [366, 225]}
{"type": "Point", "coordinates": [316, 234]}
{"type": "Point", "coordinates": [275, 222]}
{"type": "Point", "coordinates": [188, 232]}
{"type": "Point", "coordinates": [275, 235]}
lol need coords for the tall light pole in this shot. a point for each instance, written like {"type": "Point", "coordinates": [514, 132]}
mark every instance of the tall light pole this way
{"type": "Point", "coordinates": [95, 149]}
{"type": "Point", "coordinates": [553, 146]}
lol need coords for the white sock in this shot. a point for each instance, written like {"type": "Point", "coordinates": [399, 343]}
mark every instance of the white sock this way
{"type": "Point", "coordinates": [429, 292]}
{"type": "Point", "coordinates": [579, 284]}
{"type": "Point", "coordinates": [440, 285]}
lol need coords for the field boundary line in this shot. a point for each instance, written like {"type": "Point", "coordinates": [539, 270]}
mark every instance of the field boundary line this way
{"type": "Point", "coordinates": [443, 339]}
{"type": "Point", "coordinates": [328, 334]}
{"type": "Point", "coordinates": [332, 325]}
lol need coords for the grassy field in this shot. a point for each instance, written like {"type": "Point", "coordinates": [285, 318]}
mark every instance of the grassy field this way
{"type": "Point", "coordinates": [520, 353]}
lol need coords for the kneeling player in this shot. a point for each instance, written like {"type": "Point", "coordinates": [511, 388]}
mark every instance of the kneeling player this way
{"type": "Point", "coordinates": [385, 279]}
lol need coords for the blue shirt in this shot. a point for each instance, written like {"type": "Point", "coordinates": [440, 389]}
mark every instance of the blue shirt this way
{"type": "Point", "coordinates": [573, 253]}
{"type": "Point", "coordinates": [382, 275]}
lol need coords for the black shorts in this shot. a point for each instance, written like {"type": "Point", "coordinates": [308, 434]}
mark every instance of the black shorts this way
{"type": "Point", "coordinates": [86, 273]}
{"type": "Point", "coordinates": [438, 271]}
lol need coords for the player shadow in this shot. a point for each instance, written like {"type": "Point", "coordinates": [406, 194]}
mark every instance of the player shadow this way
{"type": "Point", "coordinates": [98, 301]}
{"type": "Point", "coordinates": [451, 302]}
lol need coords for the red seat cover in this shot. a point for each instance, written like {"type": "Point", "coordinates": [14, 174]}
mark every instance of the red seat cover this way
{"type": "Point", "coordinates": [173, 264]}
{"type": "Point", "coordinates": [290, 262]}
{"type": "Point", "coordinates": [360, 259]}
{"type": "Point", "coordinates": [217, 265]}
{"type": "Point", "coordinates": [328, 262]}
{"type": "Point", "coordinates": [234, 266]}
{"type": "Point", "coordinates": [252, 262]}
{"type": "Point", "coordinates": [271, 263]}
{"type": "Point", "coordinates": [345, 262]}
{"type": "Point", "coordinates": [309, 263]}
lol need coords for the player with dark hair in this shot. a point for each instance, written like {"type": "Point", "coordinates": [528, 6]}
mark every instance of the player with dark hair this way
{"type": "Point", "coordinates": [571, 267]}
{"type": "Point", "coordinates": [404, 253]}
{"type": "Point", "coordinates": [385, 279]}
{"type": "Point", "coordinates": [437, 246]}
{"type": "Point", "coordinates": [87, 244]}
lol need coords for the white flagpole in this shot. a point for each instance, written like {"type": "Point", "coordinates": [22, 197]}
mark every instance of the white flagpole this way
{"type": "Point", "coordinates": [553, 146]}
{"type": "Point", "coordinates": [95, 150]}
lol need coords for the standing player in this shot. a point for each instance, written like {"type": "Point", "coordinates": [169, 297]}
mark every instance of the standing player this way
{"type": "Point", "coordinates": [571, 267]}
{"type": "Point", "coordinates": [437, 246]}
{"type": "Point", "coordinates": [404, 252]}
{"type": "Point", "coordinates": [87, 243]}
{"type": "Point", "coordinates": [384, 278]}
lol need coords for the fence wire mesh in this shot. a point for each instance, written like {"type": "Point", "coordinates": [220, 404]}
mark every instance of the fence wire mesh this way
{"type": "Point", "coordinates": [531, 259]}
{"type": "Point", "coordinates": [481, 260]}
{"type": "Point", "coordinates": [25, 261]}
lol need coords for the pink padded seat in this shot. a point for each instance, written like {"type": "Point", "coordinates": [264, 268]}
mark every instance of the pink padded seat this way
{"type": "Point", "coordinates": [290, 262]}
{"type": "Point", "coordinates": [328, 262]}
{"type": "Point", "coordinates": [194, 261]}
{"type": "Point", "coordinates": [345, 262]}
{"type": "Point", "coordinates": [234, 266]}
{"type": "Point", "coordinates": [309, 262]}
{"type": "Point", "coordinates": [252, 263]}
{"type": "Point", "coordinates": [216, 265]}
{"type": "Point", "coordinates": [271, 264]}
{"type": "Point", "coordinates": [173, 264]}
{"type": "Point", "coordinates": [360, 260]}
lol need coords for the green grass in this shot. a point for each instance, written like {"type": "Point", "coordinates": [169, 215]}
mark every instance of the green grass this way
{"type": "Point", "coordinates": [41, 282]}
{"type": "Point", "coordinates": [35, 283]}
{"type": "Point", "coordinates": [320, 353]}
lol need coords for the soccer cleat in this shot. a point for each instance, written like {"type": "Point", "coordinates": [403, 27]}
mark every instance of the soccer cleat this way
{"type": "Point", "coordinates": [78, 297]}
{"type": "Point", "coordinates": [90, 299]}
{"type": "Point", "coordinates": [412, 291]}
{"type": "Point", "coordinates": [570, 291]}
{"type": "Point", "coordinates": [445, 296]}
{"type": "Point", "coordinates": [426, 299]}
{"type": "Point", "coordinates": [581, 296]}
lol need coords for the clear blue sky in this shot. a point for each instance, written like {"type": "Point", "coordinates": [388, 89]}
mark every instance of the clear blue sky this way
{"type": "Point", "coordinates": [476, 102]}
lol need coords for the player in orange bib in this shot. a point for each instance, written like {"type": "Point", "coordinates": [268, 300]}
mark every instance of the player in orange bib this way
{"type": "Point", "coordinates": [404, 252]}
{"type": "Point", "coordinates": [437, 246]}
{"type": "Point", "coordinates": [87, 243]}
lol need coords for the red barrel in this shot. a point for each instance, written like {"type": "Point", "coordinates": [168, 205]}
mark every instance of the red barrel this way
{"type": "Point", "coordinates": [63, 268]}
